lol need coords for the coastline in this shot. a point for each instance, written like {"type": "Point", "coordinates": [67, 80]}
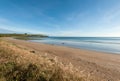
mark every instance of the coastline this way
{"type": "Point", "coordinates": [85, 49]}
{"type": "Point", "coordinates": [107, 45]}
{"type": "Point", "coordinates": [105, 66]}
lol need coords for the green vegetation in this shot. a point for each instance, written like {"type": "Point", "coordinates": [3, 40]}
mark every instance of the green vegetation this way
{"type": "Point", "coordinates": [13, 72]}
{"type": "Point", "coordinates": [18, 64]}
{"type": "Point", "coordinates": [22, 35]}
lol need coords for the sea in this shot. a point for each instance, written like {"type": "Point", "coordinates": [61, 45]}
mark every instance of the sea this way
{"type": "Point", "coordinates": [101, 44]}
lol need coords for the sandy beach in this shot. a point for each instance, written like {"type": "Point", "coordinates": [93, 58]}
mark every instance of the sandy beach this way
{"type": "Point", "coordinates": [98, 65]}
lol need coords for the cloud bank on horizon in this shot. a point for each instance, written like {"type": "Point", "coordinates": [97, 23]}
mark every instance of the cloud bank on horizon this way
{"type": "Point", "coordinates": [61, 17]}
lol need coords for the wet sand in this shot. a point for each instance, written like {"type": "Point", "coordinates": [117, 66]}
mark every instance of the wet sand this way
{"type": "Point", "coordinates": [99, 65]}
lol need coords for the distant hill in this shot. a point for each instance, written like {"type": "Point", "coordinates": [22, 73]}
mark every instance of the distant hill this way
{"type": "Point", "coordinates": [21, 35]}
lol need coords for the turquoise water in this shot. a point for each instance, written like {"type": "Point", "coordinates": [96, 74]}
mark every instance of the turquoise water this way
{"type": "Point", "coordinates": [103, 44]}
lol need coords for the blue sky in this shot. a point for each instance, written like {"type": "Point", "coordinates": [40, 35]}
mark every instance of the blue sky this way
{"type": "Point", "coordinates": [61, 17]}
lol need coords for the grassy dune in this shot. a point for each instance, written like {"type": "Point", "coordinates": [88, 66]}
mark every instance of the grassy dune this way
{"type": "Point", "coordinates": [19, 64]}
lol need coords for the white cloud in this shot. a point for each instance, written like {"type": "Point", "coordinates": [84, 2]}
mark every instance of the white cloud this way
{"type": "Point", "coordinates": [111, 15]}
{"type": "Point", "coordinates": [4, 20]}
{"type": "Point", "coordinates": [75, 16]}
{"type": "Point", "coordinates": [18, 29]}
{"type": "Point", "coordinates": [67, 33]}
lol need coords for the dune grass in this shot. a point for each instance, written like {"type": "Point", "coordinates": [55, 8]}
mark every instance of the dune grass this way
{"type": "Point", "coordinates": [18, 64]}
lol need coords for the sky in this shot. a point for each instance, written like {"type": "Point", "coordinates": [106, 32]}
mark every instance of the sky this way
{"type": "Point", "coordinates": [61, 17]}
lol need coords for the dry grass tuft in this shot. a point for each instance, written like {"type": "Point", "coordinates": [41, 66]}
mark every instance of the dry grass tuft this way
{"type": "Point", "coordinates": [17, 64]}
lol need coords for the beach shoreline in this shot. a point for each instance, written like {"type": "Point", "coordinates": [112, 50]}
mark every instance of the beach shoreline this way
{"type": "Point", "coordinates": [105, 66]}
{"type": "Point", "coordinates": [99, 44]}
{"type": "Point", "coordinates": [76, 48]}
